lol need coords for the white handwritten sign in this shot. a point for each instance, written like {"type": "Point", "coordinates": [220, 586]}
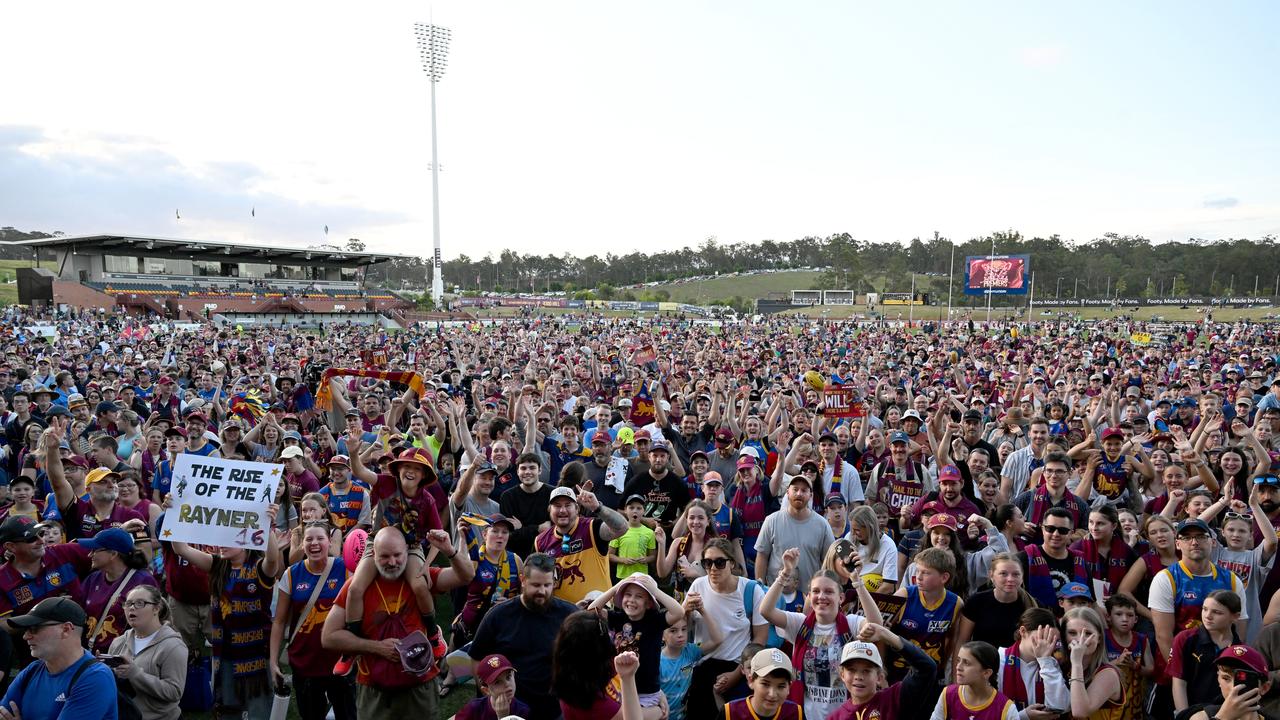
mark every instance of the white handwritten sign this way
{"type": "Point", "coordinates": [221, 502]}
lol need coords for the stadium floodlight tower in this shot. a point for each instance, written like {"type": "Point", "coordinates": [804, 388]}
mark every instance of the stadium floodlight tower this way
{"type": "Point", "coordinates": [433, 47]}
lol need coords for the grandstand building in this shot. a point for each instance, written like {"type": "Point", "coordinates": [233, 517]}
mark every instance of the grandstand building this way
{"type": "Point", "coordinates": [188, 280]}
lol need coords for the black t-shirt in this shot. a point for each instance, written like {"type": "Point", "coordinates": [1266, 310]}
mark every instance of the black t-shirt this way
{"type": "Point", "coordinates": [531, 510]}
{"type": "Point", "coordinates": [664, 499]}
{"type": "Point", "coordinates": [644, 636]}
{"type": "Point", "coordinates": [1061, 571]}
{"type": "Point", "coordinates": [993, 621]}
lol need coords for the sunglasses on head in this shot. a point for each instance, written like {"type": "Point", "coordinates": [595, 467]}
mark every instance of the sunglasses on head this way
{"type": "Point", "coordinates": [1266, 480]}
{"type": "Point", "coordinates": [1239, 516]}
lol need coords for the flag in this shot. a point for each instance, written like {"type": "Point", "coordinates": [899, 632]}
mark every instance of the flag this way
{"type": "Point", "coordinates": [176, 215]}
{"type": "Point", "coordinates": [326, 229]}
{"type": "Point", "coordinates": [253, 212]}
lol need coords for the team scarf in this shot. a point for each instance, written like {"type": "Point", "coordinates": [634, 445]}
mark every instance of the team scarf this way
{"type": "Point", "coordinates": [1011, 682]}
{"type": "Point", "coordinates": [1041, 502]}
{"type": "Point", "coordinates": [324, 396]}
{"type": "Point", "coordinates": [1113, 568]}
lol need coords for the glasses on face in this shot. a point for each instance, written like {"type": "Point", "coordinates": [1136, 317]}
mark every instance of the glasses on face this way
{"type": "Point", "coordinates": [1198, 537]}
{"type": "Point", "coordinates": [1057, 530]}
{"type": "Point", "coordinates": [138, 604]}
{"type": "Point", "coordinates": [717, 563]}
{"type": "Point", "coordinates": [1053, 471]}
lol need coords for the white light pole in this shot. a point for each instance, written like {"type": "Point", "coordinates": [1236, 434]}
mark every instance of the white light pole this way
{"type": "Point", "coordinates": [433, 47]}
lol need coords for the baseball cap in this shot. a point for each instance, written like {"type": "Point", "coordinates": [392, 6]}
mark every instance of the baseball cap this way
{"type": "Point", "coordinates": [643, 434]}
{"type": "Point", "coordinates": [101, 474]}
{"type": "Point", "coordinates": [636, 498]}
{"type": "Point", "coordinates": [500, 519]}
{"type": "Point", "coordinates": [899, 437]}
{"type": "Point", "coordinates": [913, 415]}
{"type": "Point", "coordinates": [799, 478]}
{"type": "Point", "coordinates": [770, 661]}
{"type": "Point", "coordinates": [626, 436]}
{"type": "Point", "coordinates": [746, 462]}
{"type": "Point", "coordinates": [113, 539]}
{"type": "Point", "coordinates": [1112, 432]}
{"type": "Point", "coordinates": [1193, 524]}
{"type": "Point", "coordinates": [291, 452]}
{"type": "Point", "coordinates": [712, 477]}
{"type": "Point", "coordinates": [563, 492]}
{"type": "Point", "coordinates": [490, 667]}
{"type": "Point", "coordinates": [107, 406]}
{"type": "Point", "coordinates": [175, 430]}
{"type": "Point", "coordinates": [942, 519]}
{"type": "Point", "coordinates": [602, 436]}
{"type": "Point", "coordinates": [697, 453]}
{"type": "Point", "coordinates": [1243, 657]}
{"type": "Point", "coordinates": [834, 499]}
{"type": "Point", "coordinates": [75, 399]}
{"type": "Point", "coordinates": [18, 529]}
{"type": "Point", "coordinates": [292, 435]}
{"type": "Point", "coordinates": [56, 411]}
{"type": "Point", "coordinates": [861, 651]}
{"type": "Point", "coordinates": [828, 435]}
{"type": "Point", "coordinates": [659, 445]}
{"type": "Point", "coordinates": [77, 460]}
{"type": "Point", "coordinates": [1075, 590]}
{"type": "Point", "coordinates": [950, 474]}
{"type": "Point", "coordinates": [52, 610]}
{"type": "Point", "coordinates": [724, 435]}
{"type": "Point", "coordinates": [971, 415]}
{"type": "Point", "coordinates": [352, 412]}
{"type": "Point", "coordinates": [342, 460]}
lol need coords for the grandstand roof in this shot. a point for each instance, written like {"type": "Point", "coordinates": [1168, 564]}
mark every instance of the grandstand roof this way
{"type": "Point", "coordinates": [209, 250]}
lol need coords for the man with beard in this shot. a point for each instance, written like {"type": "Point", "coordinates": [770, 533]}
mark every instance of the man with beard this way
{"type": "Point", "coordinates": [580, 545]}
{"type": "Point", "coordinates": [395, 611]}
{"type": "Point", "coordinates": [35, 572]}
{"type": "Point", "coordinates": [688, 440]}
{"type": "Point", "coordinates": [525, 632]}
{"type": "Point", "coordinates": [665, 495]}
{"type": "Point", "coordinates": [798, 526]}
{"type": "Point", "coordinates": [65, 680]}
{"type": "Point", "coordinates": [971, 436]}
{"type": "Point", "coordinates": [526, 506]}
{"type": "Point", "coordinates": [1178, 592]}
{"type": "Point", "coordinates": [84, 518]}
{"type": "Point", "coordinates": [837, 476]}
{"type": "Point", "coordinates": [952, 501]}
{"type": "Point", "coordinates": [899, 481]}
{"type": "Point", "coordinates": [606, 471]}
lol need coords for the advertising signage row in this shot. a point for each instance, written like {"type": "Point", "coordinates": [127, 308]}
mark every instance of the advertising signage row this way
{"type": "Point", "coordinates": [1190, 301]}
{"type": "Point", "coordinates": [553, 302]}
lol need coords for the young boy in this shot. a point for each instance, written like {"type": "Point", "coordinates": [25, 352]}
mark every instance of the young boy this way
{"type": "Point", "coordinates": [1073, 595]}
{"type": "Point", "coordinates": [930, 614]}
{"type": "Point", "coordinates": [23, 489]}
{"type": "Point", "coordinates": [1129, 651]}
{"type": "Point", "coordinates": [679, 656]}
{"type": "Point", "coordinates": [497, 681]}
{"type": "Point", "coordinates": [641, 614]}
{"type": "Point", "coordinates": [637, 547]}
{"type": "Point", "coordinates": [770, 677]}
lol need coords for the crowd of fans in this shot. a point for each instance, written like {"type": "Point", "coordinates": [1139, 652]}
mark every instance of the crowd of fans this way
{"type": "Point", "coordinates": [647, 518]}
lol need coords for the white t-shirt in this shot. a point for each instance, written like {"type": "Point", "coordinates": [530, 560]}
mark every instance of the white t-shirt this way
{"type": "Point", "coordinates": [823, 691]}
{"type": "Point", "coordinates": [1161, 596]}
{"type": "Point", "coordinates": [883, 567]}
{"type": "Point", "coordinates": [727, 612]}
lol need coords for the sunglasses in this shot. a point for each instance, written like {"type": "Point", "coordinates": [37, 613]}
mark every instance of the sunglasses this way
{"type": "Point", "coordinates": [717, 563]}
{"type": "Point", "coordinates": [1056, 530]}
{"type": "Point", "coordinates": [1266, 480]}
{"type": "Point", "coordinates": [1239, 516]}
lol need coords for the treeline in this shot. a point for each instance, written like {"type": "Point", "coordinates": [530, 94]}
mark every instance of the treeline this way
{"type": "Point", "coordinates": [1110, 266]}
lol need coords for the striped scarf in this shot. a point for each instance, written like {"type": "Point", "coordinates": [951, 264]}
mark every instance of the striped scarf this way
{"type": "Point", "coordinates": [324, 396]}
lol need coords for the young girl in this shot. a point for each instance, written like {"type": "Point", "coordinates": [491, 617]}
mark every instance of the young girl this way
{"type": "Point", "coordinates": [879, 555]}
{"type": "Point", "coordinates": [1029, 674]}
{"type": "Point", "coordinates": [1106, 556]}
{"type": "Point", "coordinates": [819, 636]}
{"type": "Point", "coordinates": [973, 695]}
{"type": "Point", "coordinates": [641, 615]}
{"type": "Point", "coordinates": [315, 508]}
{"type": "Point", "coordinates": [1193, 652]}
{"type": "Point", "coordinates": [1096, 692]}
{"type": "Point", "coordinates": [679, 656]}
{"type": "Point", "coordinates": [992, 615]}
{"type": "Point", "coordinates": [941, 532]}
{"type": "Point", "coordinates": [1161, 553]}
{"type": "Point", "coordinates": [685, 552]}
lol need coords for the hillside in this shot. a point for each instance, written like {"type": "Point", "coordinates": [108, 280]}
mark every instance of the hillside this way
{"type": "Point", "coordinates": [747, 286]}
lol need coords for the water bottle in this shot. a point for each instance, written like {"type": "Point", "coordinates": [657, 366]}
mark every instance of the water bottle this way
{"type": "Point", "coordinates": [280, 700]}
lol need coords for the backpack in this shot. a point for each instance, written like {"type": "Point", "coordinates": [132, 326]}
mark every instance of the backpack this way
{"type": "Point", "coordinates": [748, 602]}
{"type": "Point", "coordinates": [126, 708]}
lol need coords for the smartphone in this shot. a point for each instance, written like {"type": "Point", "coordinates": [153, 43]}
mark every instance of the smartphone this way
{"type": "Point", "coordinates": [1246, 680]}
{"type": "Point", "coordinates": [111, 660]}
{"type": "Point", "coordinates": [846, 551]}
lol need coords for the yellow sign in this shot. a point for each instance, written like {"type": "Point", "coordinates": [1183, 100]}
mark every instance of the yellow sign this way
{"type": "Point", "coordinates": [1141, 338]}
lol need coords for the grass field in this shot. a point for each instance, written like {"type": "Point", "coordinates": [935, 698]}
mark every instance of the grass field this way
{"type": "Point", "coordinates": [930, 312]}
{"type": "Point", "coordinates": [703, 292]}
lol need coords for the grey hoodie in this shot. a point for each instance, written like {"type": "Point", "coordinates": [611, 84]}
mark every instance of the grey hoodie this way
{"type": "Point", "coordinates": [158, 674]}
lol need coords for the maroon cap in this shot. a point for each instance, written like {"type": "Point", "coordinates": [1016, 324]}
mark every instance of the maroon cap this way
{"type": "Point", "coordinates": [176, 430]}
{"type": "Point", "coordinates": [197, 415]}
{"type": "Point", "coordinates": [490, 667]}
{"type": "Point", "coordinates": [950, 474]}
{"type": "Point", "coordinates": [933, 506]}
{"type": "Point", "coordinates": [77, 460]}
{"type": "Point", "coordinates": [602, 435]}
{"type": "Point", "coordinates": [165, 380]}
{"type": "Point", "coordinates": [1245, 658]}
{"type": "Point", "coordinates": [724, 434]}
{"type": "Point", "coordinates": [643, 435]}
{"type": "Point", "coordinates": [1112, 432]}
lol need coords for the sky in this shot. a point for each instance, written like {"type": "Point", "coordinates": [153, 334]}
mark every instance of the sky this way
{"type": "Point", "coordinates": [602, 127]}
